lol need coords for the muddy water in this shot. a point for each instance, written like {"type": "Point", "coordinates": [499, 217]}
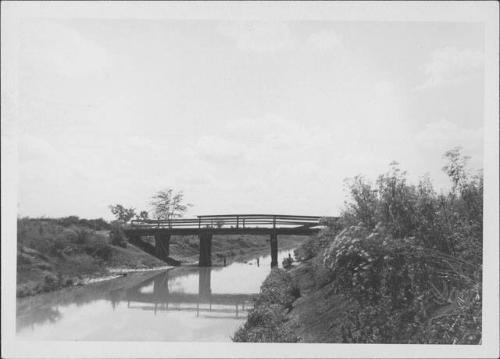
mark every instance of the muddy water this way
{"type": "Point", "coordinates": [180, 304]}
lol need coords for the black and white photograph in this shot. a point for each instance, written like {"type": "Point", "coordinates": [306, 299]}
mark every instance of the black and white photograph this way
{"type": "Point", "coordinates": [250, 179]}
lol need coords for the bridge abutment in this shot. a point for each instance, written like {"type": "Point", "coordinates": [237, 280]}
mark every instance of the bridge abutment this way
{"type": "Point", "coordinates": [205, 249]}
{"type": "Point", "coordinates": [162, 245]}
{"type": "Point", "coordinates": [274, 249]}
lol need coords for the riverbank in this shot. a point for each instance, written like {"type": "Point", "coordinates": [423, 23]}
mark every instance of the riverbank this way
{"type": "Point", "coordinates": [333, 294]}
{"type": "Point", "coordinates": [52, 257]}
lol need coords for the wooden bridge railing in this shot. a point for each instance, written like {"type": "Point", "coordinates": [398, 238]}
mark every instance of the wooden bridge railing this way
{"type": "Point", "coordinates": [232, 221]}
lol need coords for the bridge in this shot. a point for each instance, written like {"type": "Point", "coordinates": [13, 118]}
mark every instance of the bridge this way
{"type": "Point", "coordinates": [206, 226]}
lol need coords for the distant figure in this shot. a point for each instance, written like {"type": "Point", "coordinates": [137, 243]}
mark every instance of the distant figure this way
{"type": "Point", "coordinates": [224, 261]}
{"type": "Point", "coordinates": [257, 262]}
{"type": "Point", "coordinates": [290, 256]}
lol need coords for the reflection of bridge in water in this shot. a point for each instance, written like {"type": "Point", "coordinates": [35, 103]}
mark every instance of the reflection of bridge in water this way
{"type": "Point", "coordinates": [156, 294]}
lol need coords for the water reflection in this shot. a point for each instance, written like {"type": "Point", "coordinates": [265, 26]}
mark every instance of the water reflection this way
{"type": "Point", "coordinates": [184, 303]}
{"type": "Point", "coordinates": [155, 294]}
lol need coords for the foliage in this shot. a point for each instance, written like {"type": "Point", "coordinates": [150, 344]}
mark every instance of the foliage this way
{"type": "Point", "coordinates": [287, 262]}
{"type": "Point", "coordinates": [309, 249]}
{"type": "Point", "coordinates": [267, 322]}
{"type": "Point", "coordinates": [143, 215]}
{"type": "Point", "coordinates": [70, 221]}
{"type": "Point", "coordinates": [411, 258]}
{"type": "Point", "coordinates": [168, 205]}
{"type": "Point", "coordinates": [51, 256]}
{"type": "Point", "coordinates": [117, 236]}
{"type": "Point", "coordinates": [121, 213]}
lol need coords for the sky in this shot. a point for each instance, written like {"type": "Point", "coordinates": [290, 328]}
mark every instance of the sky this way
{"type": "Point", "coordinates": [243, 116]}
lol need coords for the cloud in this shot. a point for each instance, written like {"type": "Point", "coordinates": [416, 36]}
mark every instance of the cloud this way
{"type": "Point", "coordinates": [259, 37]}
{"type": "Point", "coordinates": [218, 150]}
{"type": "Point", "coordinates": [449, 65]}
{"type": "Point", "coordinates": [325, 40]}
{"type": "Point", "coordinates": [40, 160]}
{"type": "Point", "coordinates": [443, 135]}
{"type": "Point", "coordinates": [55, 48]}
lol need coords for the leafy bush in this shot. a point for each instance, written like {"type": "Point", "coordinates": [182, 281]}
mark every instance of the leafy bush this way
{"type": "Point", "coordinates": [411, 258]}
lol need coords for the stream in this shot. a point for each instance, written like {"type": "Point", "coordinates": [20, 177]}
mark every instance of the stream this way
{"type": "Point", "coordinates": [178, 304]}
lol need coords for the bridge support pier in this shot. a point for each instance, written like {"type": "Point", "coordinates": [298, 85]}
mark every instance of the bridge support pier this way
{"type": "Point", "coordinates": [205, 249]}
{"type": "Point", "coordinates": [162, 245]}
{"type": "Point", "coordinates": [274, 249]}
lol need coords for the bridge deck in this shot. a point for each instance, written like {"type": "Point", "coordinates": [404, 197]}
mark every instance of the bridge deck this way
{"type": "Point", "coordinates": [230, 224]}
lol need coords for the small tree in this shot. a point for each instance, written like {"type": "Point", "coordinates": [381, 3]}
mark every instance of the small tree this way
{"type": "Point", "coordinates": [168, 205]}
{"type": "Point", "coordinates": [142, 216]}
{"type": "Point", "coordinates": [456, 168]}
{"type": "Point", "coordinates": [121, 213]}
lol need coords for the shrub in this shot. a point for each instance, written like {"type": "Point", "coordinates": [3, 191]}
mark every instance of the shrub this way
{"type": "Point", "coordinates": [278, 288]}
{"type": "Point", "coordinates": [118, 237]}
{"type": "Point", "coordinates": [97, 247]}
{"type": "Point", "coordinates": [411, 258]}
{"type": "Point", "coordinates": [287, 262]}
{"type": "Point", "coordinates": [307, 250]}
{"type": "Point", "coordinates": [267, 321]}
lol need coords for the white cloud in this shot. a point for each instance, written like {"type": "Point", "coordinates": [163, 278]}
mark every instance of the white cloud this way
{"type": "Point", "coordinates": [55, 48]}
{"type": "Point", "coordinates": [325, 40]}
{"type": "Point", "coordinates": [260, 37]}
{"type": "Point", "coordinates": [449, 65]}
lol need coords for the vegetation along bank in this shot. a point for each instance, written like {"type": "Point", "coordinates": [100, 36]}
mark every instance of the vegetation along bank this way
{"type": "Point", "coordinates": [57, 253]}
{"type": "Point", "coordinates": [402, 264]}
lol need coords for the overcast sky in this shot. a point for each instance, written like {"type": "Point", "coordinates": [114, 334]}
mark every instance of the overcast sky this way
{"type": "Point", "coordinates": [247, 117]}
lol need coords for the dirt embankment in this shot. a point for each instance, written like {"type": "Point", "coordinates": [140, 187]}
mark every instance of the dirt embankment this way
{"type": "Point", "coordinates": [318, 314]}
{"type": "Point", "coordinates": [293, 307]}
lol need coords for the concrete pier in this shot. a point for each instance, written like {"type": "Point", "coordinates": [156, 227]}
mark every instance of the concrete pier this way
{"type": "Point", "coordinates": [162, 245]}
{"type": "Point", "coordinates": [274, 249]}
{"type": "Point", "coordinates": [205, 249]}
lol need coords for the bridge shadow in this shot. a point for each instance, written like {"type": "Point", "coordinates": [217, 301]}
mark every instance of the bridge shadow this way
{"type": "Point", "coordinates": [165, 293]}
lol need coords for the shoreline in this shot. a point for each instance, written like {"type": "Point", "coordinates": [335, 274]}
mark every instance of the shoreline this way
{"type": "Point", "coordinates": [113, 273]}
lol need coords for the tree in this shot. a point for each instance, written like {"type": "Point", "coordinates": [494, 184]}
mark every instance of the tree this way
{"type": "Point", "coordinates": [456, 168]}
{"type": "Point", "coordinates": [168, 205]}
{"type": "Point", "coordinates": [121, 213]}
{"type": "Point", "coordinates": [142, 216]}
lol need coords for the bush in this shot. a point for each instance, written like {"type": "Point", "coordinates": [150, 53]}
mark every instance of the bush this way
{"type": "Point", "coordinates": [267, 321]}
{"type": "Point", "coordinates": [287, 263]}
{"type": "Point", "coordinates": [411, 258]}
{"type": "Point", "coordinates": [97, 247]}
{"type": "Point", "coordinates": [118, 237]}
